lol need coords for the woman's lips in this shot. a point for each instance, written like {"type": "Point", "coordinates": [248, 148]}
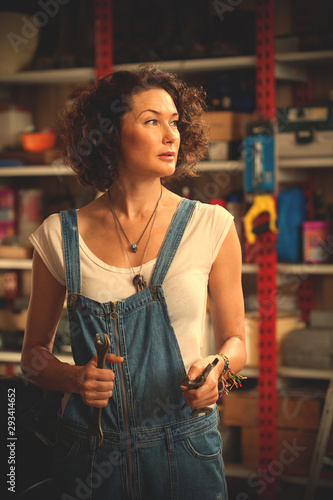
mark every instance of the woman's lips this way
{"type": "Point", "coordinates": [167, 156]}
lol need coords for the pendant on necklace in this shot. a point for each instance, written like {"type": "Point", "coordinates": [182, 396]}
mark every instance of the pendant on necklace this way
{"type": "Point", "coordinates": [139, 282]}
{"type": "Point", "coordinates": [134, 248]}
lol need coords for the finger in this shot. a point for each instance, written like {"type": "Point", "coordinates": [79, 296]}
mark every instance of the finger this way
{"type": "Point", "coordinates": [97, 403]}
{"type": "Point", "coordinates": [99, 387]}
{"type": "Point", "coordinates": [202, 394]}
{"type": "Point", "coordinates": [201, 403]}
{"type": "Point", "coordinates": [99, 374]}
{"type": "Point", "coordinates": [112, 358]}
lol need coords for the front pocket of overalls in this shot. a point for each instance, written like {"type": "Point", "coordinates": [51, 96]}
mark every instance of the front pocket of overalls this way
{"type": "Point", "coordinates": [206, 446]}
{"type": "Point", "coordinates": [66, 447]}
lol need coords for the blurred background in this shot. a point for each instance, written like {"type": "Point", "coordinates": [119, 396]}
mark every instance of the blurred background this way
{"type": "Point", "coordinates": [267, 70]}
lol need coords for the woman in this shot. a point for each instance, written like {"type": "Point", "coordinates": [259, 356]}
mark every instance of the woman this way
{"type": "Point", "coordinates": [137, 263]}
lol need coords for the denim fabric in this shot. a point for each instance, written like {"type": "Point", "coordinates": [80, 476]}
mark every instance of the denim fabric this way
{"type": "Point", "coordinates": [151, 449]}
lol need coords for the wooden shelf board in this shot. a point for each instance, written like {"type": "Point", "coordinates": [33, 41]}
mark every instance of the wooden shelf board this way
{"type": "Point", "coordinates": [15, 357]}
{"type": "Point", "coordinates": [15, 264]}
{"type": "Point", "coordinates": [305, 268]}
{"type": "Point", "coordinates": [307, 162]}
{"type": "Point", "coordinates": [215, 166]}
{"type": "Point", "coordinates": [35, 171]}
{"type": "Point", "coordinates": [314, 56]}
{"type": "Point", "coordinates": [76, 75]}
{"type": "Point", "coordinates": [291, 372]}
{"type": "Point", "coordinates": [50, 76]}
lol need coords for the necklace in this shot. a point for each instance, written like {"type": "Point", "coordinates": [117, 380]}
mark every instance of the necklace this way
{"type": "Point", "coordinates": [134, 246]}
{"type": "Point", "coordinates": [138, 280]}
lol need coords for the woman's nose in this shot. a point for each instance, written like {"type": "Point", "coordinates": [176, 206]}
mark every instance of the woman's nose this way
{"type": "Point", "coordinates": [170, 135]}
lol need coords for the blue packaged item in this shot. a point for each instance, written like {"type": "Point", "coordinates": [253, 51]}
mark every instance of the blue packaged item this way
{"type": "Point", "coordinates": [11, 162]}
{"type": "Point", "coordinates": [291, 214]}
{"type": "Point", "coordinates": [259, 163]}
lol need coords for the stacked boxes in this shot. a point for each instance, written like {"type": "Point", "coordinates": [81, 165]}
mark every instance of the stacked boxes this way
{"type": "Point", "coordinates": [298, 421]}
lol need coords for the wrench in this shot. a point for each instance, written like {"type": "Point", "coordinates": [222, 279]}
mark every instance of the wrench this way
{"type": "Point", "coordinates": [95, 429]}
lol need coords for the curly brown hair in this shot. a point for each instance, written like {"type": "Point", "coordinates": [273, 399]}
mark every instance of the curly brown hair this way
{"type": "Point", "coordinates": [90, 127]}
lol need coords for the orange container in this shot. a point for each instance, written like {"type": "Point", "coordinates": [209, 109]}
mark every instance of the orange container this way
{"type": "Point", "coordinates": [38, 141]}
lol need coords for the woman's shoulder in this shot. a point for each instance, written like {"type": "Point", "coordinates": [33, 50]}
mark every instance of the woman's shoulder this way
{"type": "Point", "coordinates": [52, 224]}
{"type": "Point", "coordinates": [50, 229]}
{"type": "Point", "coordinates": [209, 211]}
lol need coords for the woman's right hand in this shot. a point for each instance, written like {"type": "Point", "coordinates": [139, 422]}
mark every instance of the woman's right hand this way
{"type": "Point", "coordinates": [96, 384]}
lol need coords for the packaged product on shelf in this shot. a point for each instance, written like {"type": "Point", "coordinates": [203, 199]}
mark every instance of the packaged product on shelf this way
{"type": "Point", "coordinates": [7, 212]}
{"type": "Point", "coordinates": [315, 241]}
{"type": "Point", "coordinates": [310, 347]}
{"type": "Point", "coordinates": [305, 131]}
{"type": "Point", "coordinates": [285, 323]}
{"type": "Point", "coordinates": [291, 215]}
{"type": "Point", "coordinates": [224, 150]}
{"type": "Point", "coordinates": [30, 212]}
{"type": "Point", "coordinates": [14, 120]}
{"type": "Point", "coordinates": [227, 125]}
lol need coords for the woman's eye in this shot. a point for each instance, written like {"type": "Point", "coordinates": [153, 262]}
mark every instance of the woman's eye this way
{"type": "Point", "coordinates": [153, 121]}
{"type": "Point", "coordinates": [175, 123]}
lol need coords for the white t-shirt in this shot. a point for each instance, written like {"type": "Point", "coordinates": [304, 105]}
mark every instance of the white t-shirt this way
{"type": "Point", "coordinates": [185, 285]}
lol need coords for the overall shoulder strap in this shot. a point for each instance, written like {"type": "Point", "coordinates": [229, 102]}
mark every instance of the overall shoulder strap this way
{"type": "Point", "coordinates": [172, 240]}
{"type": "Point", "coordinates": [70, 234]}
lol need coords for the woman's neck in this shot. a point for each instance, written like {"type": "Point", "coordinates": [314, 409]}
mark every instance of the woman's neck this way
{"type": "Point", "coordinates": [133, 199]}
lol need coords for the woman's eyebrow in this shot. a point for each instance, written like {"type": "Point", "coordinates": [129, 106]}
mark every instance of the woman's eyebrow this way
{"type": "Point", "coordinates": [156, 112]}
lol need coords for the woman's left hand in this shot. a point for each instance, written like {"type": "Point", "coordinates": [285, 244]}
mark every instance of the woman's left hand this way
{"type": "Point", "coordinates": [208, 393]}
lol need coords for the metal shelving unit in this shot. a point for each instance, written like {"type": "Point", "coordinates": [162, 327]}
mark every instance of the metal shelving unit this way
{"type": "Point", "coordinates": [308, 162]}
{"type": "Point", "coordinates": [15, 357]}
{"type": "Point", "coordinates": [19, 264]}
{"type": "Point", "coordinates": [35, 171]}
{"type": "Point", "coordinates": [283, 68]}
{"type": "Point", "coordinates": [288, 66]}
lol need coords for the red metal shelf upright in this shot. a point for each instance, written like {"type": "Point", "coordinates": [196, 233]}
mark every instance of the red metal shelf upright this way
{"type": "Point", "coordinates": [103, 38]}
{"type": "Point", "coordinates": [267, 257]}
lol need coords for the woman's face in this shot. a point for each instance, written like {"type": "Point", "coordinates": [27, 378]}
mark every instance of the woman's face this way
{"type": "Point", "coordinates": [149, 136]}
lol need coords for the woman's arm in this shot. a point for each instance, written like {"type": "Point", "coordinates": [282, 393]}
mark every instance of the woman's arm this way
{"type": "Point", "coordinates": [38, 363]}
{"type": "Point", "coordinates": [227, 314]}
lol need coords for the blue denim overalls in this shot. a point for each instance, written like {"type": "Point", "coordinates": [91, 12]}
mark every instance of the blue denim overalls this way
{"type": "Point", "coordinates": [151, 449]}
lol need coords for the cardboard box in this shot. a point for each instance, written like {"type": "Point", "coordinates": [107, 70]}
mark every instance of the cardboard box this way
{"type": "Point", "coordinates": [294, 450]}
{"type": "Point", "coordinates": [241, 409]}
{"type": "Point", "coordinates": [13, 252]}
{"type": "Point", "coordinates": [227, 125]}
{"type": "Point", "coordinates": [224, 150]}
{"type": "Point", "coordinates": [321, 144]}
{"type": "Point", "coordinates": [285, 323]}
{"type": "Point", "coordinates": [13, 321]}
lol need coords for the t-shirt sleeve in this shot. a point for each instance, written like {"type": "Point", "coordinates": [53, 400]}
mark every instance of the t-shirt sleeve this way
{"type": "Point", "coordinates": [47, 241]}
{"type": "Point", "coordinates": [222, 223]}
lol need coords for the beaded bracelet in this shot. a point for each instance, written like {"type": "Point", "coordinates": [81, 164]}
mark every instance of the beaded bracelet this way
{"type": "Point", "coordinates": [231, 380]}
{"type": "Point", "coordinates": [226, 363]}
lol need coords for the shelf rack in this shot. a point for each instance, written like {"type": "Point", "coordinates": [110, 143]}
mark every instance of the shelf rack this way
{"type": "Point", "coordinates": [203, 166]}
{"type": "Point", "coordinates": [283, 69]}
{"type": "Point", "coordinates": [282, 268]}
